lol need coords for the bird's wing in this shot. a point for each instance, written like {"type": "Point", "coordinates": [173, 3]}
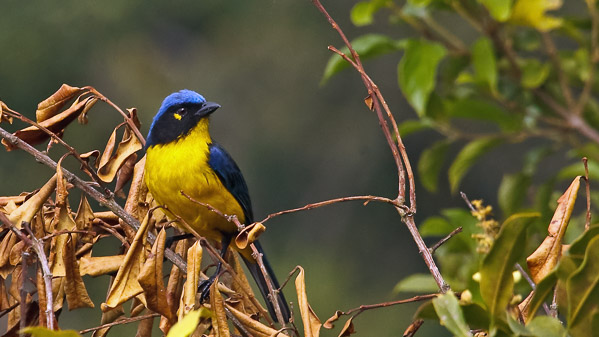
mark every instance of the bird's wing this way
{"type": "Point", "coordinates": [230, 176]}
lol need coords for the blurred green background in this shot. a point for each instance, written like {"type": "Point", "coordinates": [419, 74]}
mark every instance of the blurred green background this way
{"type": "Point", "coordinates": [297, 142]}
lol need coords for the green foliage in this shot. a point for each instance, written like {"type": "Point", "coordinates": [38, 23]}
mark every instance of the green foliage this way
{"type": "Point", "coordinates": [38, 331]}
{"type": "Point", "coordinates": [529, 73]}
{"type": "Point", "coordinates": [417, 71]}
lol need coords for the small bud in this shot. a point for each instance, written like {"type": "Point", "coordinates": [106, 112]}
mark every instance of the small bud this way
{"type": "Point", "coordinates": [517, 276]}
{"type": "Point", "coordinates": [476, 277]}
{"type": "Point", "coordinates": [466, 297]}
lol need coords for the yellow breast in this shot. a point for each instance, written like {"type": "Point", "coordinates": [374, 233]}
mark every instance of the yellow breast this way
{"type": "Point", "coordinates": [182, 165]}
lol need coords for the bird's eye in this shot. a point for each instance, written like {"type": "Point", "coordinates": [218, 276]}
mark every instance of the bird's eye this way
{"type": "Point", "coordinates": [180, 113]}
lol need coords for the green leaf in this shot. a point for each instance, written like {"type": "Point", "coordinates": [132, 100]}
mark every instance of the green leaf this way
{"type": "Point", "coordinates": [534, 73]}
{"type": "Point", "coordinates": [413, 125]}
{"type": "Point", "coordinates": [417, 71]}
{"type": "Point", "coordinates": [497, 282]}
{"type": "Point", "coordinates": [579, 246]}
{"type": "Point", "coordinates": [499, 9]}
{"type": "Point", "coordinates": [484, 63]}
{"type": "Point", "coordinates": [435, 226]}
{"type": "Point", "coordinates": [367, 46]}
{"type": "Point", "coordinates": [466, 158]}
{"type": "Point", "coordinates": [187, 325]}
{"type": "Point", "coordinates": [532, 13]}
{"type": "Point", "coordinates": [430, 164]}
{"type": "Point", "coordinates": [362, 13]}
{"type": "Point", "coordinates": [451, 315]}
{"type": "Point", "coordinates": [546, 326]}
{"type": "Point", "coordinates": [417, 283]}
{"type": "Point", "coordinates": [577, 169]}
{"type": "Point", "coordinates": [512, 192]}
{"type": "Point", "coordinates": [421, 3]}
{"type": "Point", "coordinates": [485, 111]}
{"type": "Point", "coordinates": [583, 286]}
{"type": "Point", "coordinates": [38, 331]}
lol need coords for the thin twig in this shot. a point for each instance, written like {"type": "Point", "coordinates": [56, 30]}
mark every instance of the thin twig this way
{"type": "Point", "coordinates": [445, 239]}
{"type": "Point", "coordinates": [532, 284]}
{"type": "Point", "coordinates": [119, 322]}
{"type": "Point", "coordinates": [366, 307]}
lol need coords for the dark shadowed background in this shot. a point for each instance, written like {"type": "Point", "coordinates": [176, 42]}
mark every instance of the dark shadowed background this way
{"type": "Point", "coordinates": [297, 142]}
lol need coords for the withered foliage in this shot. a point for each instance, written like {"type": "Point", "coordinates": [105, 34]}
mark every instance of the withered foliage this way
{"type": "Point", "coordinates": [135, 272]}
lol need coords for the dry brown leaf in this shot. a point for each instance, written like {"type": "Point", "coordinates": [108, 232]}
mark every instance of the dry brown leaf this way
{"type": "Point", "coordinates": [547, 255]}
{"type": "Point", "coordinates": [190, 289]}
{"type": "Point", "coordinates": [41, 296]}
{"type": "Point", "coordinates": [77, 296]}
{"type": "Point", "coordinates": [100, 265]}
{"type": "Point", "coordinates": [348, 328]}
{"type": "Point", "coordinates": [413, 328]}
{"type": "Point", "coordinates": [85, 214]}
{"type": "Point", "coordinates": [243, 288]}
{"type": "Point", "coordinates": [136, 200]}
{"type": "Point", "coordinates": [125, 285]}
{"type": "Point", "coordinates": [174, 286]}
{"type": "Point", "coordinates": [3, 296]}
{"type": "Point", "coordinates": [5, 247]}
{"type": "Point", "coordinates": [63, 221]}
{"type": "Point", "coordinates": [110, 163]}
{"type": "Point", "coordinates": [329, 322]}
{"type": "Point", "coordinates": [256, 328]}
{"type": "Point", "coordinates": [249, 234]}
{"type": "Point", "coordinates": [33, 136]}
{"type": "Point", "coordinates": [151, 280]}
{"type": "Point", "coordinates": [17, 199]}
{"type": "Point", "coordinates": [13, 294]}
{"type": "Point", "coordinates": [82, 119]}
{"type": "Point", "coordinates": [3, 115]}
{"type": "Point", "coordinates": [124, 174]}
{"type": "Point", "coordinates": [309, 319]}
{"type": "Point", "coordinates": [369, 102]}
{"type": "Point", "coordinates": [219, 315]}
{"type": "Point", "coordinates": [29, 208]}
{"type": "Point", "coordinates": [16, 252]}
{"type": "Point", "coordinates": [91, 154]}
{"type": "Point", "coordinates": [58, 292]}
{"type": "Point", "coordinates": [52, 105]}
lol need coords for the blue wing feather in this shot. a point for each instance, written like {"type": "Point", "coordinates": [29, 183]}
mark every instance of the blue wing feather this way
{"type": "Point", "coordinates": [230, 176]}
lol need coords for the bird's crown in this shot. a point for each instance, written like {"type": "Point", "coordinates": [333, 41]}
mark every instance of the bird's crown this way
{"type": "Point", "coordinates": [180, 97]}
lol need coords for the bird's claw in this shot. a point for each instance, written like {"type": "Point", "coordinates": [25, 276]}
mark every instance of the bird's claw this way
{"type": "Point", "coordinates": [204, 289]}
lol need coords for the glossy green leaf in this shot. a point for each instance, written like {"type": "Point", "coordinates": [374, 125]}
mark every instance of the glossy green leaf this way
{"type": "Point", "coordinates": [417, 71]}
{"type": "Point", "coordinates": [579, 246]}
{"type": "Point", "coordinates": [467, 157]}
{"type": "Point", "coordinates": [512, 192]}
{"type": "Point", "coordinates": [485, 111]}
{"type": "Point", "coordinates": [484, 63]}
{"type": "Point", "coordinates": [534, 73]}
{"type": "Point", "coordinates": [542, 292]}
{"type": "Point", "coordinates": [187, 325]}
{"type": "Point", "coordinates": [450, 314]}
{"type": "Point", "coordinates": [367, 46]}
{"type": "Point", "coordinates": [38, 331]}
{"type": "Point", "coordinates": [546, 326]}
{"type": "Point", "coordinates": [362, 13]}
{"type": "Point", "coordinates": [583, 286]}
{"type": "Point", "coordinates": [417, 283]}
{"type": "Point", "coordinates": [497, 282]}
{"type": "Point", "coordinates": [430, 164]}
{"type": "Point", "coordinates": [499, 9]}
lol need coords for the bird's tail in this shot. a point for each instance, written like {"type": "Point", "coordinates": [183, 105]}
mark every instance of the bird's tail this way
{"type": "Point", "coordinates": [254, 269]}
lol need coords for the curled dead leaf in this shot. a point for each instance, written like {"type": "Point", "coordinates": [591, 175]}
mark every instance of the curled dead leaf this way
{"type": "Point", "coordinates": [254, 327]}
{"type": "Point", "coordinates": [77, 296]}
{"type": "Point", "coordinates": [194, 261]}
{"type": "Point", "coordinates": [3, 115]}
{"type": "Point", "coordinates": [249, 234]}
{"type": "Point", "coordinates": [100, 265]}
{"type": "Point", "coordinates": [309, 319]}
{"type": "Point", "coordinates": [110, 163]}
{"type": "Point", "coordinates": [219, 315]}
{"type": "Point", "coordinates": [547, 255]}
{"type": "Point", "coordinates": [56, 124]}
{"type": "Point", "coordinates": [329, 322]}
{"type": "Point", "coordinates": [49, 107]}
{"type": "Point", "coordinates": [151, 280]}
{"type": "Point", "coordinates": [348, 328]}
{"type": "Point", "coordinates": [369, 102]}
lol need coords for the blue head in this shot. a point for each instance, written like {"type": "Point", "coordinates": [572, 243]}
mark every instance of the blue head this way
{"type": "Point", "coordinates": [178, 114]}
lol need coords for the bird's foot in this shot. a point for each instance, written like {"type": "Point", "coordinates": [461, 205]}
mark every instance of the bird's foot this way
{"type": "Point", "coordinates": [204, 288]}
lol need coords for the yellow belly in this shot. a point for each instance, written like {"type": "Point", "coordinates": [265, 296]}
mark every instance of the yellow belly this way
{"type": "Point", "coordinates": [183, 166]}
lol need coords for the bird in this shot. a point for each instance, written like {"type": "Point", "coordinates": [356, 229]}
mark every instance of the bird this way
{"type": "Point", "coordinates": [181, 156]}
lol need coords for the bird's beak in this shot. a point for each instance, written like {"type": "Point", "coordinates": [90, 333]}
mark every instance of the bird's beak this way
{"type": "Point", "coordinates": [207, 109]}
